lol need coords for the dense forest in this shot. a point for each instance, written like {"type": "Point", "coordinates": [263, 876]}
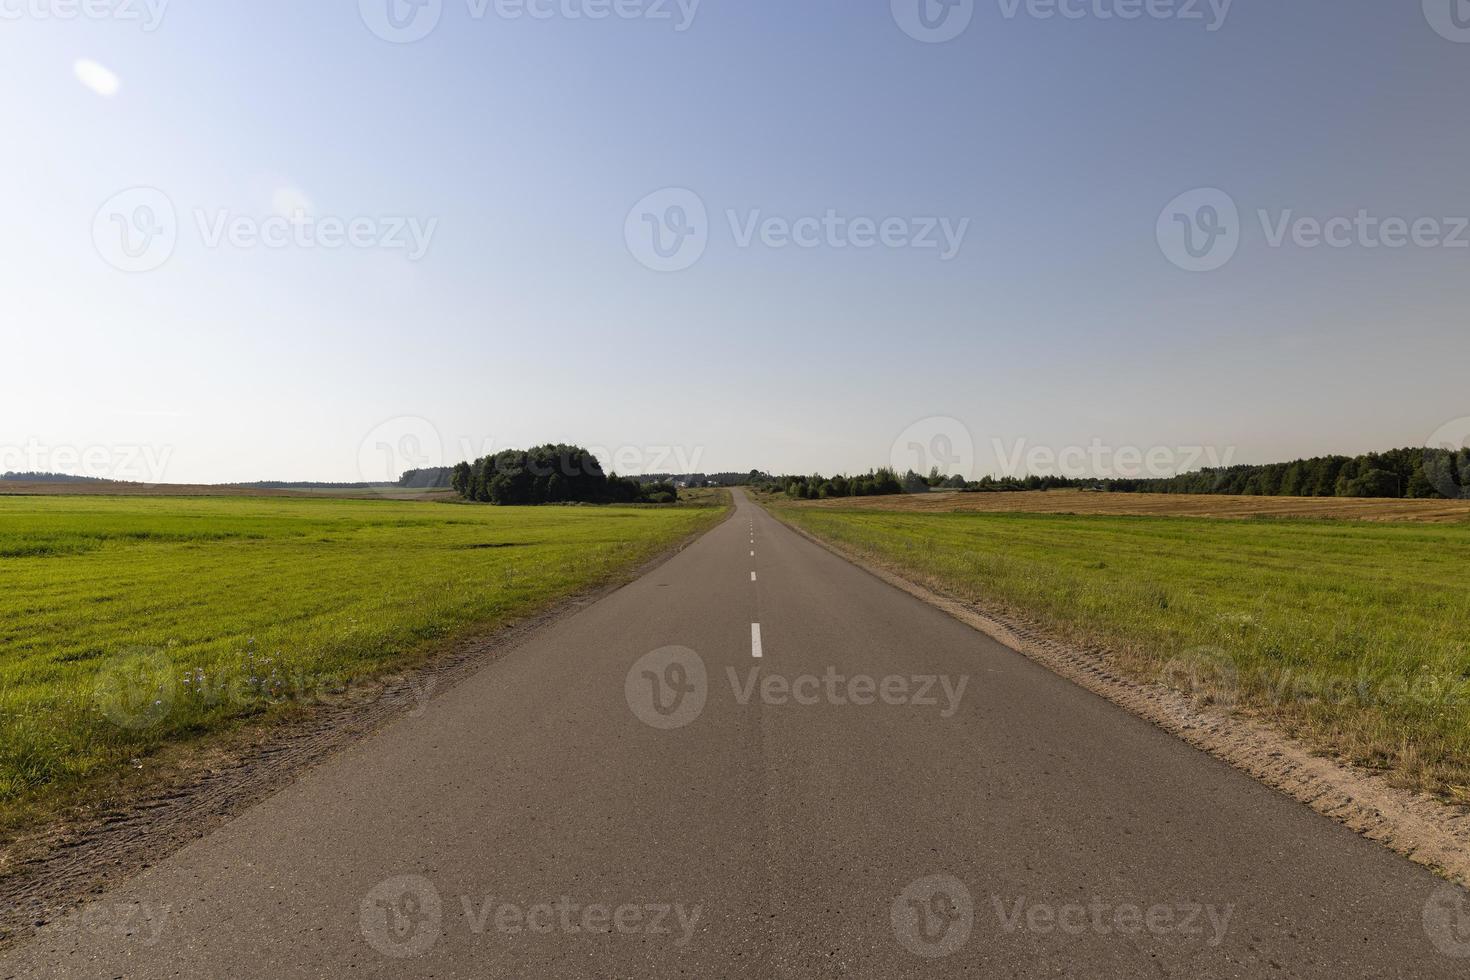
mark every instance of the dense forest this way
{"type": "Point", "coordinates": [434, 478]}
{"type": "Point", "coordinates": [552, 474]}
{"type": "Point", "coordinates": [1418, 473]}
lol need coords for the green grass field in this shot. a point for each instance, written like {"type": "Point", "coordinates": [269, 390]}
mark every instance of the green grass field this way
{"type": "Point", "coordinates": [1353, 636]}
{"type": "Point", "coordinates": [128, 623]}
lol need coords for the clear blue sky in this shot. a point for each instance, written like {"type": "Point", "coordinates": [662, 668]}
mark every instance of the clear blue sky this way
{"type": "Point", "coordinates": [525, 142]}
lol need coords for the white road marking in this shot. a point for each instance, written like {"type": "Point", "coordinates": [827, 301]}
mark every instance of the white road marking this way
{"type": "Point", "coordinates": [752, 554]}
{"type": "Point", "coordinates": [755, 640]}
{"type": "Point", "coordinates": [752, 576]}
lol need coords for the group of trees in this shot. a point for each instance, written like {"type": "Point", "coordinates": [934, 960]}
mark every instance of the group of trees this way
{"type": "Point", "coordinates": [875, 483]}
{"type": "Point", "coordinates": [1416, 473]}
{"type": "Point", "coordinates": [552, 474]}
{"type": "Point", "coordinates": [1421, 473]}
{"type": "Point", "coordinates": [431, 478]}
{"type": "Point", "coordinates": [884, 481]}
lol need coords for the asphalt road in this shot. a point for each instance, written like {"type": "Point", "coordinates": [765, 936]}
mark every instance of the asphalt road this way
{"type": "Point", "coordinates": [894, 795]}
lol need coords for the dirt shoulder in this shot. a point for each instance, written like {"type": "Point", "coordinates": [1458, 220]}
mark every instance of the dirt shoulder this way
{"type": "Point", "coordinates": [1419, 827]}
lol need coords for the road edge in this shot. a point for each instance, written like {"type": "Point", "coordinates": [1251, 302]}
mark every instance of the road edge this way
{"type": "Point", "coordinates": [1418, 827]}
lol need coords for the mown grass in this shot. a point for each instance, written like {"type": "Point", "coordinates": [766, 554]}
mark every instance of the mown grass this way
{"type": "Point", "coordinates": [1352, 636]}
{"type": "Point", "coordinates": [129, 623]}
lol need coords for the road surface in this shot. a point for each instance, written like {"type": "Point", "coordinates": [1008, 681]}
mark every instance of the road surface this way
{"type": "Point", "coordinates": [760, 761]}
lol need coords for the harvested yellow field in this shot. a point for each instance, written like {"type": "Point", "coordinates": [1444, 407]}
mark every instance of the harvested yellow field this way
{"type": "Point", "coordinates": [1162, 505]}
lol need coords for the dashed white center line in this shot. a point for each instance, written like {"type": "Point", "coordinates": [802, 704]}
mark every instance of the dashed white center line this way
{"type": "Point", "coordinates": [752, 554]}
{"type": "Point", "coordinates": [755, 640]}
{"type": "Point", "coordinates": [752, 576]}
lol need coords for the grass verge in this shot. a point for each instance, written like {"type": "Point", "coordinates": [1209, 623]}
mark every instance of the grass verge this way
{"type": "Point", "coordinates": [131, 624]}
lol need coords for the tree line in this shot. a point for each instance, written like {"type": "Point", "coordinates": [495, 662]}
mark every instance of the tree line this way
{"type": "Point", "coordinates": [429, 478]}
{"type": "Point", "coordinates": [32, 477]}
{"type": "Point", "coordinates": [552, 474]}
{"type": "Point", "coordinates": [1409, 473]}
